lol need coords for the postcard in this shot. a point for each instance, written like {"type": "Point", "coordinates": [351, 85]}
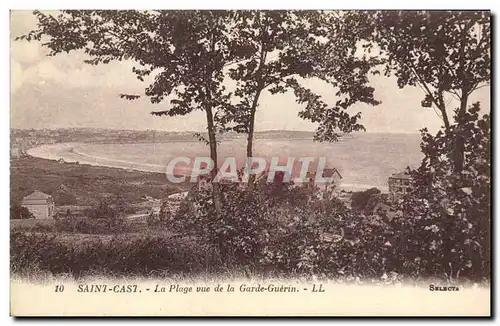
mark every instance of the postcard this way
{"type": "Point", "coordinates": [250, 163]}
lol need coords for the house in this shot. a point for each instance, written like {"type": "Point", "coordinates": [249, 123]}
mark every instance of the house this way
{"type": "Point", "coordinates": [399, 184]}
{"type": "Point", "coordinates": [332, 173]}
{"type": "Point", "coordinates": [40, 204]}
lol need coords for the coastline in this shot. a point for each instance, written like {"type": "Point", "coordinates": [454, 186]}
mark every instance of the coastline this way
{"type": "Point", "coordinates": [73, 153]}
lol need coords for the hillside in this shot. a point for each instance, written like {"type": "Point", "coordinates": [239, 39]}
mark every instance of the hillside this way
{"type": "Point", "coordinates": [79, 184]}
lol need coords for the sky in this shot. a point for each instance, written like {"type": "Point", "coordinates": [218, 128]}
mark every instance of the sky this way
{"type": "Point", "coordinates": [62, 91]}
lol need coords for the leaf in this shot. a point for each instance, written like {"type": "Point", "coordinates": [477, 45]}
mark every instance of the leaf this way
{"type": "Point", "coordinates": [129, 97]}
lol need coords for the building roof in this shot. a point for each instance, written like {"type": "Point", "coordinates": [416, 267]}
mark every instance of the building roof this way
{"type": "Point", "coordinates": [330, 172]}
{"type": "Point", "coordinates": [327, 173]}
{"type": "Point", "coordinates": [37, 195]}
{"type": "Point", "coordinates": [401, 175]}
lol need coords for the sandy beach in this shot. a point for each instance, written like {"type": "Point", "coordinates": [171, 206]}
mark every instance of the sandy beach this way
{"type": "Point", "coordinates": [74, 152]}
{"type": "Point", "coordinates": [77, 152]}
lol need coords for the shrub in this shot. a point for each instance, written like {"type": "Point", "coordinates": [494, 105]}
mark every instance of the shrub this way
{"type": "Point", "coordinates": [322, 237]}
{"type": "Point", "coordinates": [141, 256]}
{"type": "Point", "coordinates": [91, 225]}
{"type": "Point", "coordinates": [365, 201]}
{"type": "Point", "coordinates": [331, 242]}
{"type": "Point", "coordinates": [103, 218]}
{"type": "Point", "coordinates": [447, 212]}
{"type": "Point", "coordinates": [62, 197]}
{"type": "Point", "coordinates": [103, 210]}
{"type": "Point", "coordinates": [235, 233]}
{"type": "Point", "coordinates": [38, 250]}
{"type": "Point", "coordinates": [18, 212]}
{"type": "Point", "coordinates": [249, 217]}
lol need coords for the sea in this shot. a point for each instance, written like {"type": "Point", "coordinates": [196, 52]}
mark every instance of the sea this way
{"type": "Point", "coordinates": [364, 160]}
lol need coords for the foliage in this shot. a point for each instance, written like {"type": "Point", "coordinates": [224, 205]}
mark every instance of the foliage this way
{"type": "Point", "coordinates": [440, 51]}
{"type": "Point", "coordinates": [285, 48]}
{"type": "Point", "coordinates": [247, 213]}
{"type": "Point", "coordinates": [365, 200]}
{"type": "Point", "coordinates": [447, 214]}
{"type": "Point", "coordinates": [322, 237]}
{"type": "Point", "coordinates": [443, 52]}
{"type": "Point", "coordinates": [187, 55]}
{"type": "Point", "coordinates": [103, 218]}
{"type": "Point", "coordinates": [62, 197]}
{"type": "Point", "coordinates": [20, 212]}
{"type": "Point", "coordinates": [122, 255]}
{"type": "Point", "coordinates": [342, 245]}
{"type": "Point", "coordinates": [185, 51]}
{"type": "Point", "coordinates": [165, 214]}
{"type": "Point", "coordinates": [91, 225]}
{"type": "Point", "coordinates": [103, 210]}
{"type": "Point", "coordinates": [271, 233]}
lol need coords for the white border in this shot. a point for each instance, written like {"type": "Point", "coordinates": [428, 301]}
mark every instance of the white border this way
{"type": "Point", "coordinates": [186, 4]}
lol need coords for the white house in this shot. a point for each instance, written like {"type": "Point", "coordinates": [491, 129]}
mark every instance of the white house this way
{"type": "Point", "coordinates": [399, 185]}
{"type": "Point", "coordinates": [40, 204]}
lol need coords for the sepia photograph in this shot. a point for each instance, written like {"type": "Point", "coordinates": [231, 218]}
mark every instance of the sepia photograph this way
{"type": "Point", "coordinates": [250, 163]}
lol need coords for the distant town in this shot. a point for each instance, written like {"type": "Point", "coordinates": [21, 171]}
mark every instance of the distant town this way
{"type": "Point", "coordinates": [24, 139]}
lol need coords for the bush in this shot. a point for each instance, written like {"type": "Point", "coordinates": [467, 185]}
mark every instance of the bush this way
{"type": "Point", "coordinates": [447, 212]}
{"type": "Point", "coordinates": [103, 210]}
{"type": "Point", "coordinates": [103, 218]}
{"type": "Point", "coordinates": [141, 256]}
{"type": "Point", "coordinates": [62, 197]}
{"type": "Point", "coordinates": [236, 233]}
{"type": "Point", "coordinates": [324, 238]}
{"type": "Point", "coordinates": [38, 250]}
{"type": "Point", "coordinates": [276, 228]}
{"type": "Point", "coordinates": [250, 218]}
{"type": "Point", "coordinates": [365, 201]}
{"type": "Point", "coordinates": [18, 212]}
{"type": "Point", "coordinates": [91, 225]}
{"type": "Point", "coordinates": [331, 242]}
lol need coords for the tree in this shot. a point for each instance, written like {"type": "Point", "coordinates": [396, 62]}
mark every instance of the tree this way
{"type": "Point", "coordinates": [186, 51]}
{"type": "Point", "coordinates": [19, 212]}
{"type": "Point", "coordinates": [285, 48]}
{"type": "Point", "coordinates": [365, 201]}
{"type": "Point", "coordinates": [448, 215]}
{"type": "Point", "coordinates": [443, 52]}
{"type": "Point", "coordinates": [164, 214]}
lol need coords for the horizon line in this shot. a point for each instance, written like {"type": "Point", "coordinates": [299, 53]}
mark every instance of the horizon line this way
{"type": "Point", "coordinates": [197, 131]}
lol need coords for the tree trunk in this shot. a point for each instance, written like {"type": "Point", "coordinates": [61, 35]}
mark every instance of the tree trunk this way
{"type": "Point", "coordinates": [211, 133]}
{"type": "Point", "coordinates": [260, 87]}
{"type": "Point", "coordinates": [251, 130]}
{"type": "Point", "coordinates": [458, 160]}
{"type": "Point", "coordinates": [213, 155]}
{"type": "Point", "coordinates": [442, 108]}
{"type": "Point", "coordinates": [445, 119]}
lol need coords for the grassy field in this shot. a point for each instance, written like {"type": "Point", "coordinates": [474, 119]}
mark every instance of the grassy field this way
{"type": "Point", "coordinates": [30, 223]}
{"type": "Point", "coordinates": [80, 184]}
